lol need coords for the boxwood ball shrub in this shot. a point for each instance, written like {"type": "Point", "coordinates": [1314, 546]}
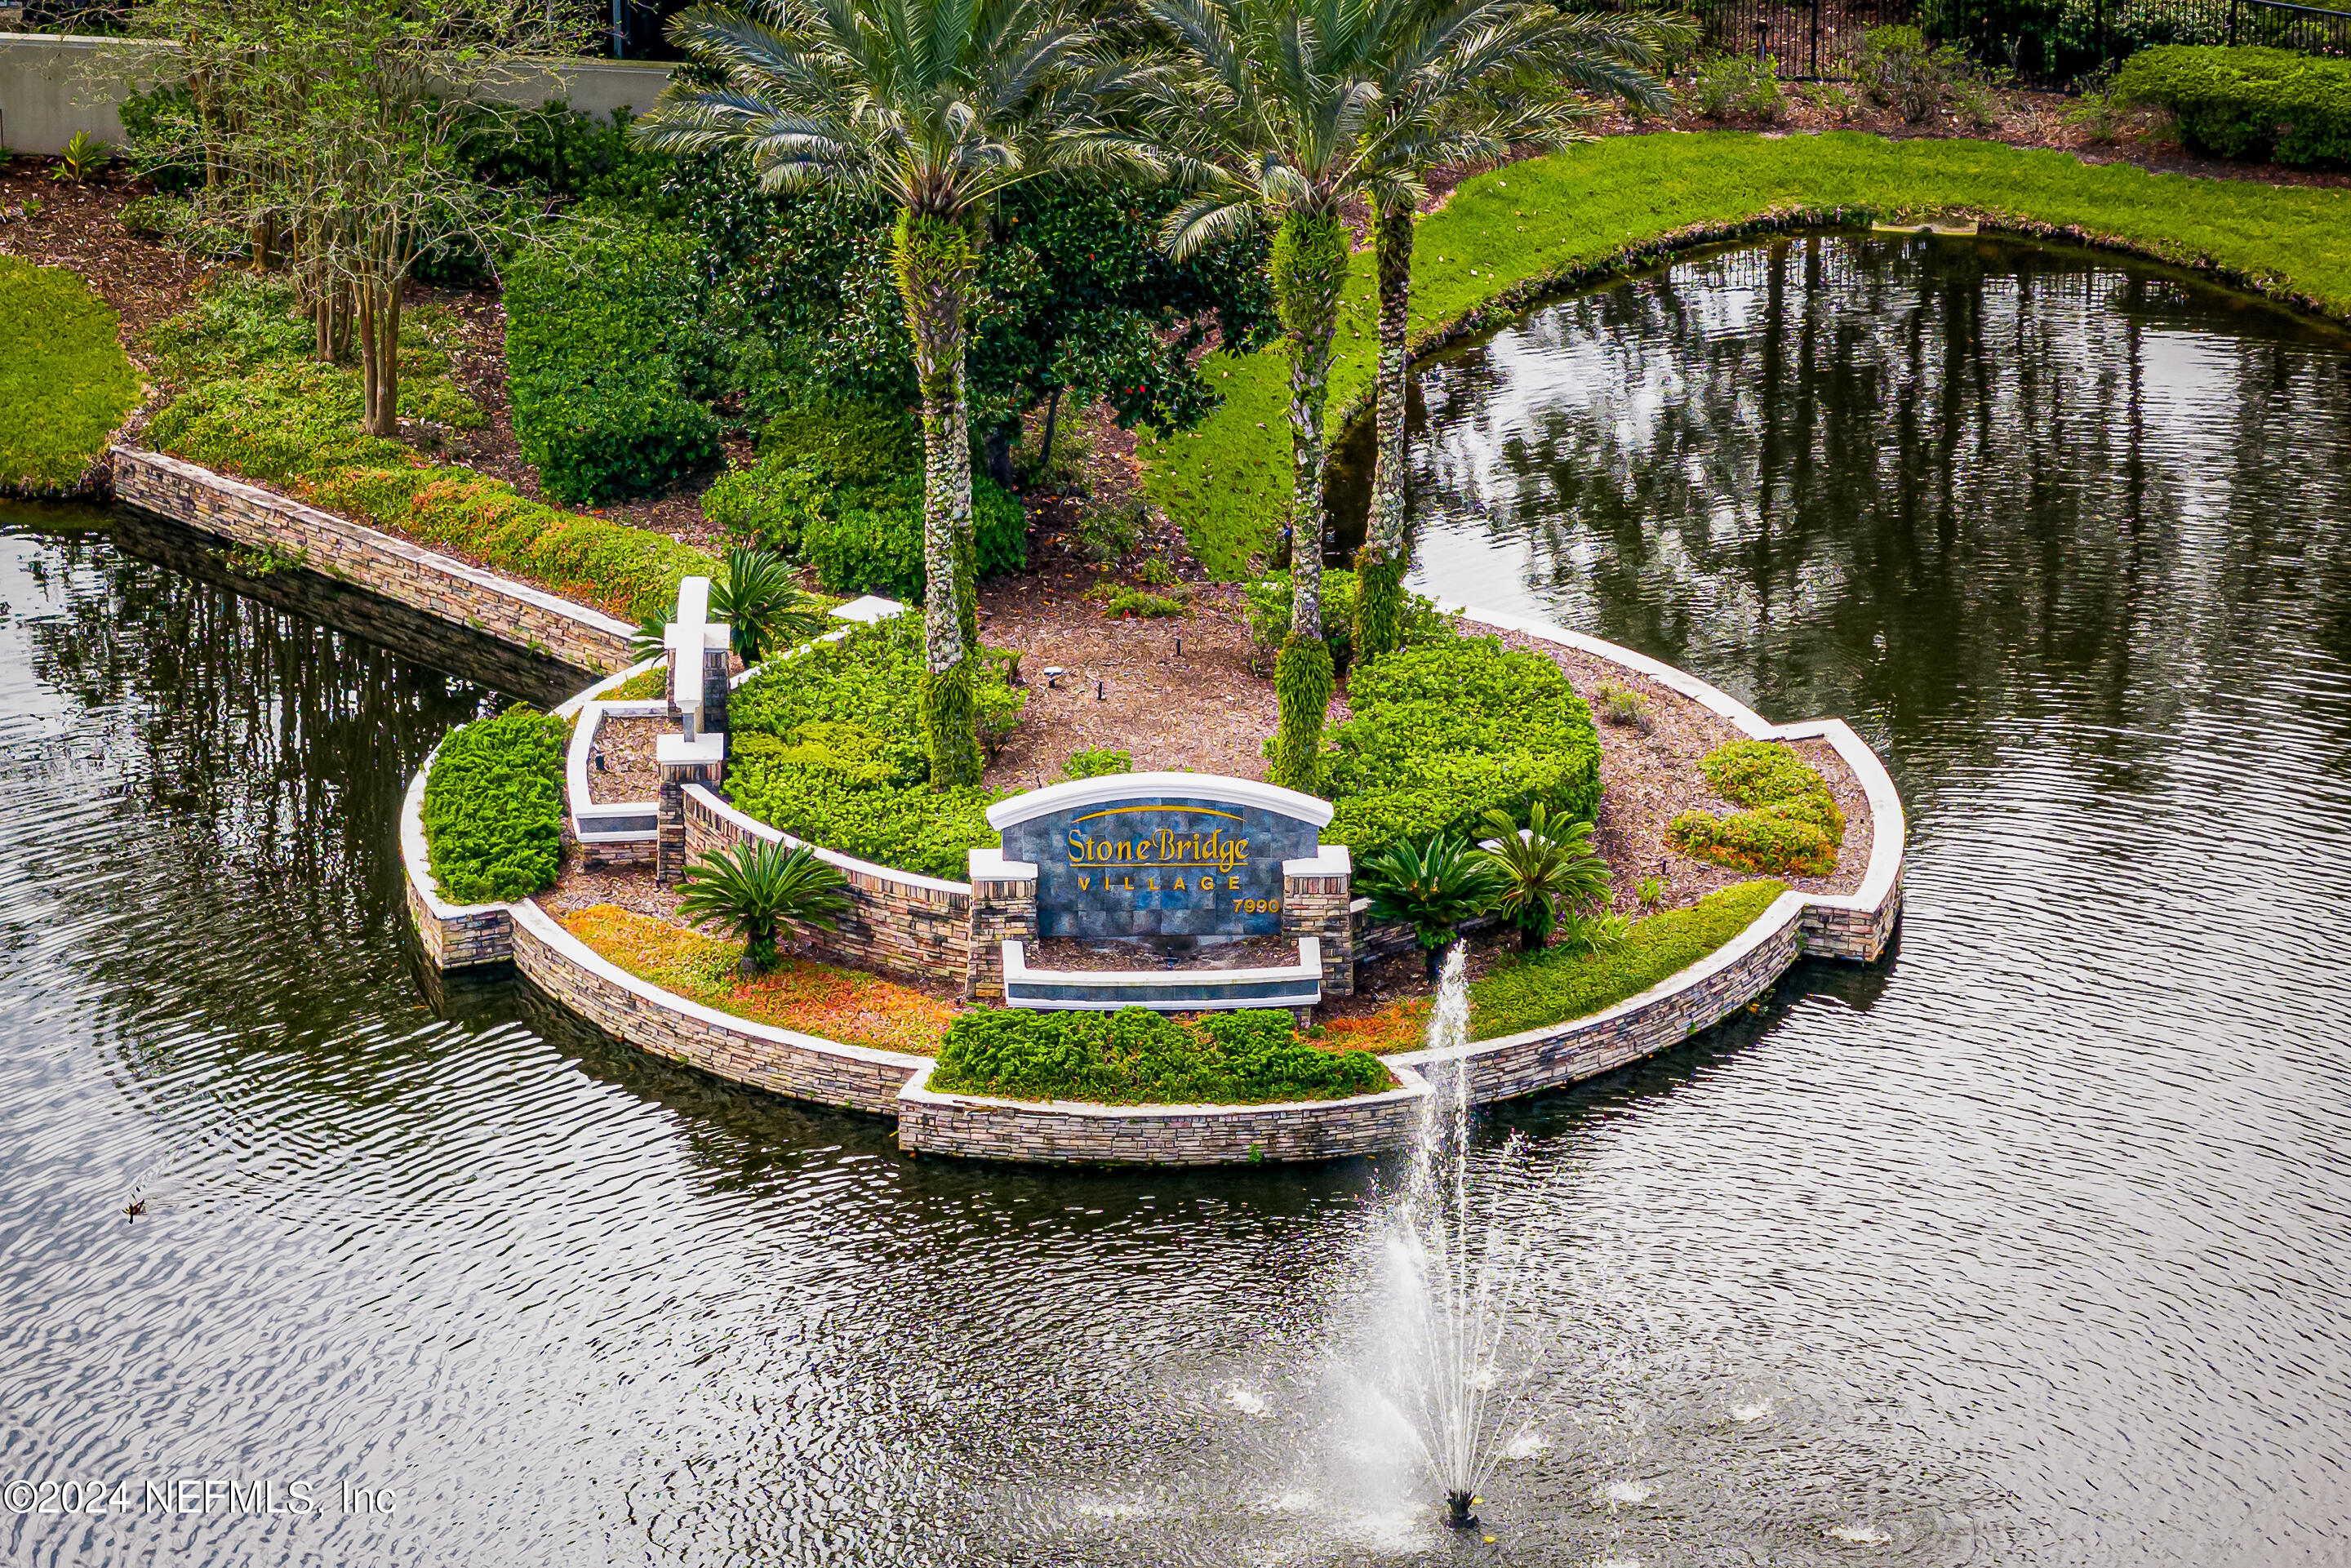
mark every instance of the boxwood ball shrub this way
{"type": "Point", "coordinates": [1792, 826]}
{"type": "Point", "coordinates": [1134, 1056]}
{"type": "Point", "coordinates": [494, 807]}
{"type": "Point", "coordinates": [605, 351]}
{"type": "Point", "coordinates": [829, 746]}
{"type": "Point", "coordinates": [1557, 984]}
{"type": "Point", "coordinates": [2247, 102]}
{"type": "Point", "coordinates": [1444, 733]}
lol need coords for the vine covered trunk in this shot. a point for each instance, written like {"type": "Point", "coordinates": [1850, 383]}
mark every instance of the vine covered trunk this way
{"type": "Point", "coordinates": [1309, 270]}
{"type": "Point", "coordinates": [1379, 566]}
{"type": "Point", "coordinates": [935, 259]}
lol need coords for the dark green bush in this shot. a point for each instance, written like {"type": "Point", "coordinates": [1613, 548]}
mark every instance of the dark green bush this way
{"type": "Point", "coordinates": [2248, 103]}
{"type": "Point", "coordinates": [848, 445]}
{"type": "Point", "coordinates": [605, 353]}
{"type": "Point", "coordinates": [1444, 733]}
{"type": "Point", "coordinates": [829, 746]}
{"type": "Point", "coordinates": [1792, 825]}
{"type": "Point", "coordinates": [1136, 1057]}
{"type": "Point", "coordinates": [873, 543]}
{"type": "Point", "coordinates": [1557, 984]}
{"type": "Point", "coordinates": [765, 505]}
{"type": "Point", "coordinates": [494, 807]}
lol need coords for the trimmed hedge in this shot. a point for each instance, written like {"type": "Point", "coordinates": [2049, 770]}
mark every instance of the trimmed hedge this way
{"type": "Point", "coordinates": [829, 746]}
{"type": "Point", "coordinates": [1135, 1057]}
{"type": "Point", "coordinates": [840, 485]}
{"type": "Point", "coordinates": [1444, 733]}
{"type": "Point", "coordinates": [1559, 983]}
{"type": "Point", "coordinates": [65, 381]}
{"type": "Point", "coordinates": [494, 807]}
{"type": "Point", "coordinates": [1792, 825]}
{"type": "Point", "coordinates": [2248, 103]}
{"type": "Point", "coordinates": [605, 346]}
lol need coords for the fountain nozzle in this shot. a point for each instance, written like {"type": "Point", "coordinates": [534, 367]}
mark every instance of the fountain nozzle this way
{"type": "Point", "coordinates": [1456, 1511]}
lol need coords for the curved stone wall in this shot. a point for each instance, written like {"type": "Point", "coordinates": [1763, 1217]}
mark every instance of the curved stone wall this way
{"type": "Point", "coordinates": [921, 924]}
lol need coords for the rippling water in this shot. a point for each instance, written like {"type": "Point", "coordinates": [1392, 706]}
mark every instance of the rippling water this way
{"type": "Point", "coordinates": [2028, 1246]}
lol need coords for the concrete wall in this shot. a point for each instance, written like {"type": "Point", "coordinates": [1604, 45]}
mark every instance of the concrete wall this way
{"type": "Point", "coordinates": [52, 86]}
{"type": "Point", "coordinates": [351, 552]}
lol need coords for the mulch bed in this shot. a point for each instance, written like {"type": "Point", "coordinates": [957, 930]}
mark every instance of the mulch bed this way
{"type": "Point", "coordinates": [629, 772]}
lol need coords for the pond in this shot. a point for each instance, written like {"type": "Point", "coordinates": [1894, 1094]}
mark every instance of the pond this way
{"type": "Point", "coordinates": [2025, 1245]}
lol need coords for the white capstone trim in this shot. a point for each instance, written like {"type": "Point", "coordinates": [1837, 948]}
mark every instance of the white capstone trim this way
{"type": "Point", "coordinates": [735, 818]}
{"type": "Point", "coordinates": [676, 751]}
{"type": "Point", "coordinates": [1328, 860]}
{"type": "Point", "coordinates": [1307, 809]}
{"type": "Point", "coordinates": [989, 865]}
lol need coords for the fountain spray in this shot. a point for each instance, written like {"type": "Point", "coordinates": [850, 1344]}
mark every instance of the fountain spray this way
{"type": "Point", "coordinates": [1456, 1280]}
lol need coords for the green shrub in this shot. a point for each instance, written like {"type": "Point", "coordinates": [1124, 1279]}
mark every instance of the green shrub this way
{"type": "Point", "coordinates": [1444, 733]}
{"type": "Point", "coordinates": [829, 746]}
{"type": "Point", "coordinates": [1097, 764]}
{"type": "Point", "coordinates": [1123, 599]}
{"type": "Point", "coordinates": [605, 347]}
{"type": "Point", "coordinates": [849, 445]}
{"type": "Point", "coordinates": [64, 382]}
{"type": "Point", "coordinates": [1268, 615]}
{"type": "Point", "coordinates": [1741, 86]}
{"type": "Point", "coordinates": [1897, 67]}
{"type": "Point", "coordinates": [873, 543]}
{"type": "Point", "coordinates": [1558, 984]}
{"type": "Point", "coordinates": [1136, 1057]}
{"type": "Point", "coordinates": [1792, 825]}
{"type": "Point", "coordinates": [768, 504]}
{"type": "Point", "coordinates": [2248, 103]}
{"type": "Point", "coordinates": [494, 807]}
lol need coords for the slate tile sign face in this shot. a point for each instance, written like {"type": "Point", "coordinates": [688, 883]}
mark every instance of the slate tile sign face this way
{"type": "Point", "coordinates": [1160, 866]}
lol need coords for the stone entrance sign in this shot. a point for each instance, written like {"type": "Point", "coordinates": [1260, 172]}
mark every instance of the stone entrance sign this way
{"type": "Point", "coordinates": [1142, 855]}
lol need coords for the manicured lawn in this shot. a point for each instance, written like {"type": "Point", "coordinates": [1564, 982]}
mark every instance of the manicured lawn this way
{"type": "Point", "coordinates": [65, 381]}
{"type": "Point", "coordinates": [1507, 236]}
{"type": "Point", "coordinates": [846, 1005]}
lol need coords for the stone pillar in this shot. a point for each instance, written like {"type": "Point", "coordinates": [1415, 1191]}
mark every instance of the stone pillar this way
{"type": "Point", "coordinates": [1003, 909]}
{"type": "Point", "coordinates": [702, 760]}
{"type": "Point", "coordinates": [1315, 895]}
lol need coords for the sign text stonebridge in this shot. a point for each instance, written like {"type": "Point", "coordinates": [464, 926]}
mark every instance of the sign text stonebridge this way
{"type": "Point", "coordinates": [1159, 854]}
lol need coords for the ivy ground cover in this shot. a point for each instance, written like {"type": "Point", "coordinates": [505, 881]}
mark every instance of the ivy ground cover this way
{"type": "Point", "coordinates": [1507, 236]}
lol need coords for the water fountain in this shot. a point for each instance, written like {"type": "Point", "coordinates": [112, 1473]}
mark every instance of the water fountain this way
{"type": "Point", "coordinates": [1456, 1369]}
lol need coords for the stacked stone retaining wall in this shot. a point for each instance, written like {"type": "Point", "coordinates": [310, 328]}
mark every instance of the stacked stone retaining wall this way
{"type": "Point", "coordinates": [423, 579]}
{"type": "Point", "coordinates": [976, 1127]}
{"type": "Point", "coordinates": [899, 923]}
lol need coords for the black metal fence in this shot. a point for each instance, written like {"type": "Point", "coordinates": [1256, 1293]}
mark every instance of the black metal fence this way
{"type": "Point", "coordinates": [2044, 43]}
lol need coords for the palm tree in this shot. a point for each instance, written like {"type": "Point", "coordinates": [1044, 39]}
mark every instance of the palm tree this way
{"type": "Point", "coordinates": [1548, 865]}
{"type": "Point", "coordinates": [937, 106]}
{"type": "Point", "coordinates": [1464, 81]}
{"type": "Point", "coordinates": [1269, 106]}
{"type": "Point", "coordinates": [757, 888]}
{"type": "Point", "coordinates": [764, 607]}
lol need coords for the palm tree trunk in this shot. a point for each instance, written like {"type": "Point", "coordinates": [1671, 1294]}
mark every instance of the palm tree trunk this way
{"type": "Point", "coordinates": [1310, 268]}
{"type": "Point", "coordinates": [935, 259]}
{"type": "Point", "coordinates": [1379, 566]}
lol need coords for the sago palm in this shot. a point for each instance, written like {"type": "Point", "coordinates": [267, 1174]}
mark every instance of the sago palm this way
{"type": "Point", "coordinates": [1548, 867]}
{"type": "Point", "coordinates": [765, 609]}
{"type": "Point", "coordinates": [758, 889]}
{"type": "Point", "coordinates": [937, 106]}
{"type": "Point", "coordinates": [1459, 82]}
{"type": "Point", "coordinates": [1433, 886]}
{"type": "Point", "coordinates": [1269, 107]}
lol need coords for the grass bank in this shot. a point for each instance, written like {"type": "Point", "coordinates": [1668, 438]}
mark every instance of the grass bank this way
{"type": "Point", "coordinates": [66, 386]}
{"type": "Point", "coordinates": [1507, 237]}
